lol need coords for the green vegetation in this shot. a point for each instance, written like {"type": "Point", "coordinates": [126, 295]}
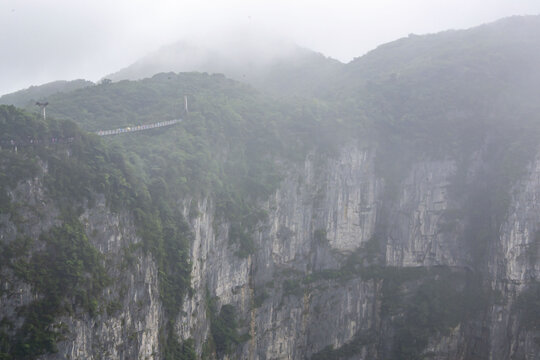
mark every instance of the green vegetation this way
{"type": "Point", "coordinates": [292, 287]}
{"type": "Point", "coordinates": [242, 238]}
{"type": "Point", "coordinates": [419, 302]}
{"type": "Point", "coordinates": [319, 236]}
{"type": "Point", "coordinates": [229, 146]}
{"type": "Point", "coordinates": [174, 350]}
{"type": "Point", "coordinates": [67, 273]}
{"type": "Point", "coordinates": [447, 96]}
{"type": "Point", "coordinates": [436, 307]}
{"type": "Point", "coordinates": [470, 97]}
{"type": "Point", "coordinates": [73, 176]}
{"type": "Point", "coordinates": [13, 167]}
{"type": "Point", "coordinates": [167, 236]}
{"type": "Point", "coordinates": [224, 328]}
{"type": "Point", "coordinates": [28, 97]}
{"type": "Point", "coordinates": [360, 263]}
{"type": "Point", "coordinates": [346, 351]}
{"type": "Point", "coordinates": [131, 174]}
{"type": "Point", "coordinates": [260, 296]}
{"type": "Point", "coordinates": [76, 171]}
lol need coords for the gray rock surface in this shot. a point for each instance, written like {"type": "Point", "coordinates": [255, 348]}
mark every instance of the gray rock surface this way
{"type": "Point", "coordinates": [325, 210]}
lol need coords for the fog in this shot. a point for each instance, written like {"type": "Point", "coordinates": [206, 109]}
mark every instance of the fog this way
{"type": "Point", "coordinates": [47, 40]}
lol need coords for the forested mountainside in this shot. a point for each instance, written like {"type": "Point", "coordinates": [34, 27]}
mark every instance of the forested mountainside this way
{"type": "Point", "coordinates": [395, 216]}
{"type": "Point", "coordinates": [28, 97]}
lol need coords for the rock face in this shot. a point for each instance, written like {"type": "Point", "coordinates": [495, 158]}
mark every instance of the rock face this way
{"type": "Point", "coordinates": [311, 284]}
{"type": "Point", "coordinates": [415, 237]}
{"type": "Point", "coordinates": [517, 252]}
{"type": "Point", "coordinates": [514, 266]}
{"type": "Point", "coordinates": [341, 199]}
{"type": "Point", "coordinates": [131, 329]}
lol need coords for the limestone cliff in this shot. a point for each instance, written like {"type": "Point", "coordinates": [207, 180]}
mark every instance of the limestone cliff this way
{"type": "Point", "coordinates": [293, 301]}
{"type": "Point", "coordinates": [337, 269]}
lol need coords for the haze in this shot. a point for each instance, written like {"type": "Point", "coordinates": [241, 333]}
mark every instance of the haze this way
{"type": "Point", "coordinates": [47, 40]}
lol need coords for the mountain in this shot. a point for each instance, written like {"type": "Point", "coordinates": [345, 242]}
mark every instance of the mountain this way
{"type": "Point", "coordinates": [27, 97]}
{"type": "Point", "coordinates": [490, 65]}
{"type": "Point", "coordinates": [272, 65]}
{"type": "Point", "coordinates": [393, 217]}
{"type": "Point", "coordinates": [509, 37]}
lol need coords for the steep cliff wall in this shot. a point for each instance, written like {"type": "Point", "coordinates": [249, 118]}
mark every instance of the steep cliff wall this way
{"type": "Point", "coordinates": [328, 203]}
{"type": "Point", "coordinates": [515, 270]}
{"type": "Point", "coordinates": [298, 295]}
{"type": "Point", "coordinates": [339, 269]}
{"type": "Point", "coordinates": [126, 322]}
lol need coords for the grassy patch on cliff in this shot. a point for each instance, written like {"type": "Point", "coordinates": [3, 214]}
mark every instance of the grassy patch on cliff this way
{"type": "Point", "coordinates": [224, 336]}
{"type": "Point", "coordinates": [176, 350]}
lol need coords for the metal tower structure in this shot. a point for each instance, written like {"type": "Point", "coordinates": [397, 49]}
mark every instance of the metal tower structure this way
{"type": "Point", "coordinates": [42, 106]}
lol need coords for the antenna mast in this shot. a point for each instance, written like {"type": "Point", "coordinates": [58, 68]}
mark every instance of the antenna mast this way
{"type": "Point", "coordinates": [185, 104]}
{"type": "Point", "coordinates": [42, 106]}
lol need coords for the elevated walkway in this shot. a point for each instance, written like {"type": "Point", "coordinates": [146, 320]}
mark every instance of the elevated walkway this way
{"type": "Point", "coordinates": [137, 128]}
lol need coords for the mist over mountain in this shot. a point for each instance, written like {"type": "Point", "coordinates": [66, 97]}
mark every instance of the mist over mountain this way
{"type": "Point", "coordinates": [302, 208]}
{"type": "Point", "coordinates": [270, 64]}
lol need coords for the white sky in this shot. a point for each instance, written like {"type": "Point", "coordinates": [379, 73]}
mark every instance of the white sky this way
{"type": "Point", "coordinates": [47, 40]}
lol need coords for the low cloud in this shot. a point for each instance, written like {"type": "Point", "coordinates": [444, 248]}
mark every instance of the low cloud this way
{"type": "Point", "coordinates": [47, 40]}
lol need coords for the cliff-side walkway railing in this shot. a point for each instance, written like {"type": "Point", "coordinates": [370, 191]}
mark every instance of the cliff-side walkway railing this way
{"type": "Point", "coordinates": [137, 128]}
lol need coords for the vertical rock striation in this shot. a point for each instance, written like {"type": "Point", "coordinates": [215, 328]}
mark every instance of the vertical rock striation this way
{"type": "Point", "coordinates": [515, 267]}
{"type": "Point", "coordinates": [317, 281]}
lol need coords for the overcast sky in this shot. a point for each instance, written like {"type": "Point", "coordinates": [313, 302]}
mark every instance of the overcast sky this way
{"type": "Point", "coordinates": [47, 40]}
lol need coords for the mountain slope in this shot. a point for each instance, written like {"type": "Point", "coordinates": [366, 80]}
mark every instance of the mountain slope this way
{"type": "Point", "coordinates": [494, 41]}
{"type": "Point", "coordinates": [27, 97]}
